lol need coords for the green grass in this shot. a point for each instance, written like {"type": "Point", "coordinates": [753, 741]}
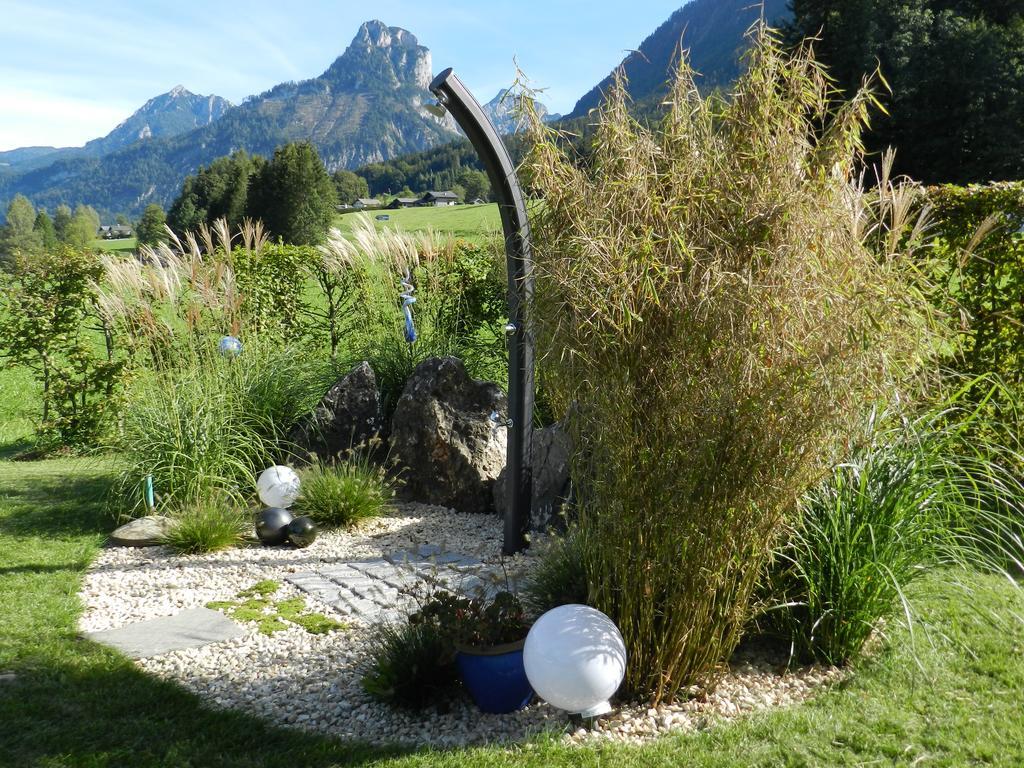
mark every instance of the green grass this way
{"type": "Point", "coordinates": [470, 222]}
{"type": "Point", "coordinates": [19, 409]}
{"type": "Point", "coordinates": [116, 246]}
{"type": "Point", "coordinates": [926, 702]}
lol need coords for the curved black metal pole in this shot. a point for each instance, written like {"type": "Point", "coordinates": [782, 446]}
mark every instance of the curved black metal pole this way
{"type": "Point", "coordinates": [457, 99]}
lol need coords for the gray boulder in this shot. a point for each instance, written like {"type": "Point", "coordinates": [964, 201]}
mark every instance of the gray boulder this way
{"type": "Point", "coordinates": [552, 487]}
{"type": "Point", "coordinates": [443, 439]}
{"type": "Point", "coordinates": [142, 532]}
{"type": "Point", "coordinates": [349, 415]}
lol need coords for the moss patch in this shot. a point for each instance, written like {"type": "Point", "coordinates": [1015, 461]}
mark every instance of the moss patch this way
{"type": "Point", "coordinates": [254, 605]}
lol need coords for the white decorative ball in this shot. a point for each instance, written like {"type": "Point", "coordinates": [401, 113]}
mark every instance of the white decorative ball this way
{"type": "Point", "coordinates": [278, 486]}
{"type": "Point", "coordinates": [575, 659]}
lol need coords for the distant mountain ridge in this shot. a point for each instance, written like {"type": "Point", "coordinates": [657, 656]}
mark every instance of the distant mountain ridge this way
{"type": "Point", "coordinates": [367, 106]}
{"type": "Point", "coordinates": [713, 33]}
{"type": "Point", "coordinates": [170, 114]}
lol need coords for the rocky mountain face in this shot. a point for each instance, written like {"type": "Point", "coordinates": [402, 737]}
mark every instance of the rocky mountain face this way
{"type": "Point", "coordinates": [712, 31]}
{"type": "Point", "coordinates": [503, 112]}
{"type": "Point", "coordinates": [366, 107]}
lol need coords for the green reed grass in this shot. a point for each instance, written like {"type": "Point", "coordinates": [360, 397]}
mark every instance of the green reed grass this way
{"type": "Point", "coordinates": [208, 428]}
{"type": "Point", "coordinates": [916, 495]}
{"type": "Point", "coordinates": [717, 298]}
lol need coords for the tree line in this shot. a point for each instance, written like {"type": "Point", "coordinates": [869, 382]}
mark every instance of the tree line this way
{"type": "Point", "coordinates": [292, 194]}
{"type": "Point", "coordinates": [29, 231]}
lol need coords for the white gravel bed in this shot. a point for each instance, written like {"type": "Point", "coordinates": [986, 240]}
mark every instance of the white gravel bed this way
{"type": "Point", "coordinates": [313, 682]}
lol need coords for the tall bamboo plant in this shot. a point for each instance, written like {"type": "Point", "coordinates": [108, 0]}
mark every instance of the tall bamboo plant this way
{"type": "Point", "coordinates": [717, 297]}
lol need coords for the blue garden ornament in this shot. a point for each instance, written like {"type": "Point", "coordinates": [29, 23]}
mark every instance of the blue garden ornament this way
{"type": "Point", "coordinates": [229, 346]}
{"type": "Point", "coordinates": [407, 301]}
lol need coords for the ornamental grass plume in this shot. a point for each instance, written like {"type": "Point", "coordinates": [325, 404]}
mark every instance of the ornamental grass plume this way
{"type": "Point", "coordinates": [717, 297]}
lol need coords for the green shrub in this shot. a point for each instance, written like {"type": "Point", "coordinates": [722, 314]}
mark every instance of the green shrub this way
{"type": "Point", "coordinates": [46, 309]}
{"type": "Point", "coordinates": [985, 276]}
{"type": "Point", "coordinates": [558, 577]}
{"type": "Point", "coordinates": [206, 526]}
{"type": "Point", "coordinates": [413, 665]}
{"type": "Point", "coordinates": [345, 493]}
{"type": "Point", "coordinates": [915, 496]}
{"type": "Point", "coordinates": [717, 297]}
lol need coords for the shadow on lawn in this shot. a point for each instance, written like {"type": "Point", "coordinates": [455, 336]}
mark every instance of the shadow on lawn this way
{"type": "Point", "coordinates": [94, 708]}
{"type": "Point", "coordinates": [44, 500]}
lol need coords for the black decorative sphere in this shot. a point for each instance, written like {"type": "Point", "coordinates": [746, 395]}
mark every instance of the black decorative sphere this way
{"type": "Point", "coordinates": [302, 531]}
{"type": "Point", "coordinates": [272, 525]}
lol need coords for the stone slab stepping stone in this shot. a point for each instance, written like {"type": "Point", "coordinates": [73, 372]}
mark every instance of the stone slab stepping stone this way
{"type": "Point", "coordinates": [189, 629]}
{"type": "Point", "coordinates": [144, 532]}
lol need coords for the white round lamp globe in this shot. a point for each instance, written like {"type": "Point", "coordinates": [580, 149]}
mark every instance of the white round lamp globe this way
{"type": "Point", "coordinates": [278, 486]}
{"type": "Point", "coordinates": [575, 659]}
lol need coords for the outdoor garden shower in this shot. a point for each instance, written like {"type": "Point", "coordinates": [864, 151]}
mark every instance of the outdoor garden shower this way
{"type": "Point", "coordinates": [453, 96]}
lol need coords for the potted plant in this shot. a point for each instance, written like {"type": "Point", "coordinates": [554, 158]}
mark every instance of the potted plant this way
{"type": "Point", "coordinates": [488, 638]}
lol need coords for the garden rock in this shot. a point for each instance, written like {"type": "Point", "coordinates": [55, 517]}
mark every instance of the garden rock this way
{"type": "Point", "coordinates": [444, 438]}
{"type": "Point", "coordinates": [552, 489]}
{"type": "Point", "coordinates": [144, 532]}
{"type": "Point", "coordinates": [349, 414]}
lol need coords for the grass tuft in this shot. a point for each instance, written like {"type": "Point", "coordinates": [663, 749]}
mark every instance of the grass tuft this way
{"type": "Point", "coordinates": [343, 494]}
{"type": "Point", "coordinates": [206, 526]}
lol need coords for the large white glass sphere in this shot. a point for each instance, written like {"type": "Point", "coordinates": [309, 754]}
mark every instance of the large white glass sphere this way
{"type": "Point", "coordinates": [278, 486]}
{"type": "Point", "coordinates": [575, 659]}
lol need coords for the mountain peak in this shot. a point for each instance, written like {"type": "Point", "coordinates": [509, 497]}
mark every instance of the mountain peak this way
{"type": "Point", "coordinates": [377, 34]}
{"type": "Point", "coordinates": [178, 91]}
{"type": "Point", "coordinates": [381, 57]}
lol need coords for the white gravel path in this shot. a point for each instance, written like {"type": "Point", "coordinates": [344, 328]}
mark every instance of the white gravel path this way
{"type": "Point", "coordinates": [313, 681]}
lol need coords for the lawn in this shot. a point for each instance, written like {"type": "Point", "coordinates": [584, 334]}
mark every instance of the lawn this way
{"type": "Point", "coordinates": [115, 246]}
{"type": "Point", "coordinates": [948, 696]}
{"type": "Point", "coordinates": [470, 222]}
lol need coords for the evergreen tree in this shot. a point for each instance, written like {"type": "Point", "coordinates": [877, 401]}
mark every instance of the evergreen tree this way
{"type": "Point", "coordinates": [294, 196]}
{"type": "Point", "coordinates": [47, 233]}
{"type": "Point", "coordinates": [18, 236]}
{"type": "Point", "coordinates": [219, 190]}
{"type": "Point", "coordinates": [956, 112]}
{"type": "Point", "coordinates": [349, 186]}
{"type": "Point", "coordinates": [150, 228]}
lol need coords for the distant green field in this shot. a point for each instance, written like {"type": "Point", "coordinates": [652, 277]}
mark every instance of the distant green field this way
{"type": "Point", "coordinates": [471, 222]}
{"type": "Point", "coordinates": [113, 246]}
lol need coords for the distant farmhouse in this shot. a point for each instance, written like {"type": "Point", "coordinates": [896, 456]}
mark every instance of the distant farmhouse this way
{"type": "Point", "coordinates": [404, 202]}
{"type": "Point", "coordinates": [114, 232]}
{"type": "Point", "coordinates": [431, 199]}
{"type": "Point", "coordinates": [439, 198]}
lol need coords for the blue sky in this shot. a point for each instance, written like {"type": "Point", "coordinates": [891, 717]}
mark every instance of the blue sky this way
{"type": "Point", "coordinates": [70, 72]}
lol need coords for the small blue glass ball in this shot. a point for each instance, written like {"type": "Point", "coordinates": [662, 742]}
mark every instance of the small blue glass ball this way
{"type": "Point", "coordinates": [229, 346]}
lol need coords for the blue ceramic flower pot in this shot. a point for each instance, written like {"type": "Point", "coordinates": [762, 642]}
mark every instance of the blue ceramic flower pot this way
{"type": "Point", "coordinates": [495, 677]}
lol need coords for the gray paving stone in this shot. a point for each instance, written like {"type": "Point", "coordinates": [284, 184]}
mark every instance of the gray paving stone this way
{"type": "Point", "coordinates": [189, 629]}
